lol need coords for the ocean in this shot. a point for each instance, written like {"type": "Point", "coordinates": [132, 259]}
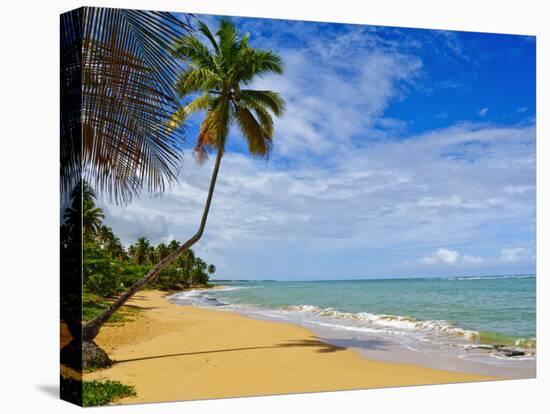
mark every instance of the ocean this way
{"type": "Point", "coordinates": [479, 319]}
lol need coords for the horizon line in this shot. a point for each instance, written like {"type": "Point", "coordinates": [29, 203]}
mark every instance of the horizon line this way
{"type": "Point", "coordinates": [376, 278]}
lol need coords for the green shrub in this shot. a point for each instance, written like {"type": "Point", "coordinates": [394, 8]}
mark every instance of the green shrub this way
{"type": "Point", "coordinates": [104, 285]}
{"type": "Point", "coordinates": [94, 393]}
{"type": "Point", "coordinates": [100, 393]}
{"type": "Point", "coordinates": [93, 305]}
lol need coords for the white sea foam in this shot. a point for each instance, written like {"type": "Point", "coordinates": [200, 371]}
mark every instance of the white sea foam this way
{"type": "Point", "coordinates": [203, 293]}
{"type": "Point", "coordinates": [400, 323]}
{"type": "Point", "coordinates": [491, 277]}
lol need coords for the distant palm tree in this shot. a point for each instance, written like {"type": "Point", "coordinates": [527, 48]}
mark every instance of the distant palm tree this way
{"type": "Point", "coordinates": [91, 215]}
{"type": "Point", "coordinates": [211, 270]}
{"type": "Point", "coordinates": [151, 254]}
{"type": "Point", "coordinates": [219, 72]}
{"type": "Point", "coordinates": [162, 251]}
{"type": "Point", "coordinates": [173, 245]}
{"type": "Point", "coordinates": [141, 251]}
{"type": "Point", "coordinates": [117, 89]}
{"type": "Point", "coordinates": [105, 237]}
{"type": "Point", "coordinates": [132, 252]}
{"type": "Point", "coordinates": [110, 242]}
{"type": "Point", "coordinates": [92, 218]}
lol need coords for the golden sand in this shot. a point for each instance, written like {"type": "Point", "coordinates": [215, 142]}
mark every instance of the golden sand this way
{"type": "Point", "coordinates": [171, 352]}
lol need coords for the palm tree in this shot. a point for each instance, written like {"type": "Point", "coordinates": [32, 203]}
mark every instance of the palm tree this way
{"type": "Point", "coordinates": [141, 251]}
{"type": "Point", "coordinates": [211, 270]}
{"type": "Point", "coordinates": [132, 252]}
{"type": "Point", "coordinates": [151, 254]}
{"type": "Point", "coordinates": [173, 245]}
{"type": "Point", "coordinates": [109, 241]}
{"type": "Point", "coordinates": [105, 237]}
{"type": "Point", "coordinates": [117, 79]}
{"type": "Point", "coordinates": [219, 72]}
{"type": "Point", "coordinates": [198, 274]}
{"type": "Point", "coordinates": [92, 216]}
{"type": "Point", "coordinates": [116, 248]}
{"type": "Point", "coordinates": [185, 264]}
{"type": "Point", "coordinates": [162, 251]}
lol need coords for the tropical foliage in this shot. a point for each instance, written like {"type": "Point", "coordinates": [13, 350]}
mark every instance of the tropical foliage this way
{"type": "Point", "coordinates": [117, 89]}
{"type": "Point", "coordinates": [94, 393]}
{"type": "Point", "coordinates": [109, 268]}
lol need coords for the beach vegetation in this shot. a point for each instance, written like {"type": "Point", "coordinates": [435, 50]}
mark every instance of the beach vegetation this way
{"type": "Point", "coordinates": [109, 268]}
{"type": "Point", "coordinates": [94, 393]}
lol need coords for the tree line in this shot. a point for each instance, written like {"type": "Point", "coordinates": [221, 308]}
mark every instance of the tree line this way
{"type": "Point", "coordinates": [109, 267]}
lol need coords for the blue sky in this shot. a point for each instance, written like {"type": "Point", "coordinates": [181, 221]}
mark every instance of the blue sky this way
{"type": "Point", "coordinates": [402, 152]}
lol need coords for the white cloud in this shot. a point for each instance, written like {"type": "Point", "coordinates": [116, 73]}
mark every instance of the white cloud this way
{"type": "Point", "coordinates": [515, 254]}
{"type": "Point", "coordinates": [451, 257]}
{"type": "Point", "coordinates": [518, 189]}
{"type": "Point", "coordinates": [483, 111]}
{"type": "Point", "coordinates": [472, 259]}
{"type": "Point", "coordinates": [442, 255]}
{"type": "Point", "coordinates": [329, 101]}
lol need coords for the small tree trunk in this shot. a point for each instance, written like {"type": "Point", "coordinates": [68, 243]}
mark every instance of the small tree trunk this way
{"type": "Point", "coordinates": [91, 328]}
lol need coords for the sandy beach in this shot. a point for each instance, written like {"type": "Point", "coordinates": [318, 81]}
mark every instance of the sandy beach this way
{"type": "Point", "coordinates": [171, 352]}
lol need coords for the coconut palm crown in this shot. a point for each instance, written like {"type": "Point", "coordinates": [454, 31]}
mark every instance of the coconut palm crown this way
{"type": "Point", "coordinates": [217, 75]}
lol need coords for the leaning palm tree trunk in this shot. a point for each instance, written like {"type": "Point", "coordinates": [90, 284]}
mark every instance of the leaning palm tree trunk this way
{"type": "Point", "coordinates": [91, 328]}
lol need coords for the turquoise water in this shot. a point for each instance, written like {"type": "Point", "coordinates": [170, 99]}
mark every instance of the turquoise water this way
{"type": "Point", "coordinates": [484, 309]}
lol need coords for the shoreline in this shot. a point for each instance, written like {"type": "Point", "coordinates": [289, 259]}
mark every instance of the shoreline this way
{"type": "Point", "coordinates": [400, 344]}
{"type": "Point", "coordinates": [172, 352]}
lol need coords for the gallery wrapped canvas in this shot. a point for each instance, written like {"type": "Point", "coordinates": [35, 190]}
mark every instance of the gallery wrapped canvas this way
{"type": "Point", "coordinates": [259, 206]}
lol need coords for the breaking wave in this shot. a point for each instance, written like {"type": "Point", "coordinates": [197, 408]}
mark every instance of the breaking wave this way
{"type": "Point", "coordinates": [401, 323]}
{"type": "Point", "coordinates": [491, 277]}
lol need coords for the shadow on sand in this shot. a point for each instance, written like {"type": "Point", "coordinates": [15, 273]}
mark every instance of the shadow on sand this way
{"type": "Point", "coordinates": [370, 344]}
{"type": "Point", "coordinates": [323, 347]}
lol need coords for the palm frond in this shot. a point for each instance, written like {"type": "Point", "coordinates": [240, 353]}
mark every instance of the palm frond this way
{"type": "Point", "coordinates": [265, 61]}
{"type": "Point", "coordinates": [117, 89]}
{"type": "Point", "coordinates": [265, 120]}
{"type": "Point", "coordinates": [229, 44]}
{"type": "Point", "coordinates": [180, 116]}
{"type": "Point", "coordinates": [196, 80]}
{"type": "Point", "coordinates": [259, 141]}
{"type": "Point", "coordinates": [257, 62]}
{"type": "Point", "coordinates": [203, 28]}
{"type": "Point", "coordinates": [218, 121]}
{"type": "Point", "coordinates": [191, 49]}
{"type": "Point", "coordinates": [269, 100]}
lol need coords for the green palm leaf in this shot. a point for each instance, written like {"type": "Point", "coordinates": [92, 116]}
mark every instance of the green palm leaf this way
{"type": "Point", "coordinates": [259, 141]}
{"type": "Point", "coordinates": [268, 100]}
{"type": "Point", "coordinates": [117, 89]}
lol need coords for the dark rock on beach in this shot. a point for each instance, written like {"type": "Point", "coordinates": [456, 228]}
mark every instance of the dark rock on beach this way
{"type": "Point", "coordinates": [499, 350]}
{"type": "Point", "coordinates": [510, 352]}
